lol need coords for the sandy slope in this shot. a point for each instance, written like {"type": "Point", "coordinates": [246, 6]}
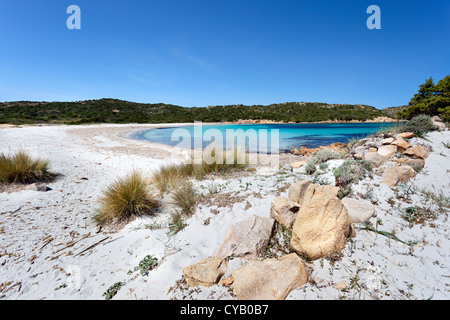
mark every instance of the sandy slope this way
{"type": "Point", "coordinates": [91, 157]}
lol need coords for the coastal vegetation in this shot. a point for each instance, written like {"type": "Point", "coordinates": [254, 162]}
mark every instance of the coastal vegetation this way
{"type": "Point", "coordinates": [119, 111]}
{"type": "Point", "coordinates": [431, 99]}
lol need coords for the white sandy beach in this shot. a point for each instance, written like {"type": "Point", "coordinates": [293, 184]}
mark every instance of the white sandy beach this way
{"type": "Point", "coordinates": [36, 226]}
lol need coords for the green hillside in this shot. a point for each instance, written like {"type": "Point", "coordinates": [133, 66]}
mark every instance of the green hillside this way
{"type": "Point", "coordinates": [118, 111]}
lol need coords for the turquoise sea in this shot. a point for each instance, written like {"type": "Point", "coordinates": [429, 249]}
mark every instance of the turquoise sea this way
{"type": "Point", "coordinates": [288, 135]}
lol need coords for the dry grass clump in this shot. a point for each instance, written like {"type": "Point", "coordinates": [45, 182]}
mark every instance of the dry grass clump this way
{"type": "Point", "coordinates": [125, 198]}
{"type": "Point", "coordinates": [20, 167]}
{"type": "Point", "coordinates": [184, 197]}
{"type": "Point", "coordinates": [170, 176]}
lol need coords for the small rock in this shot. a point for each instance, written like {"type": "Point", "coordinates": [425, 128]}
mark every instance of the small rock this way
{"type": "Point", "coordinates": [418, 152]}
{"type": "Point", "coordinates": [283, 211]}
{"type": "Point", "coordinates": [439, 126]}
{"type": "Point", "coordinates": [205, 273]}
{"type": "Point", "coordinates": [436, 119]}
{"type": "Point", "coordinates": [387, 151]}
{"type": "Point", "coordinates": [341, 285]}
{"type": "Point", "coordinates": [375, 159]}
{"type": "Point", "coordinates": [393, 175]}
{"type": "Point", "coordinates": [297, 164]}
{"type": "Point", "coordinates": [297, 190]}
{"type": "Point", "coordinates": [358, 210]}
{"type": "Point", "coordinates": [288, 167]}
{"type": "Point", "coordinates": [226, 281]}
{"type": "Point", "coordinates": [269, 279]}
{"type": "Point", "coordinates": [406, 135]}
{"type": "Point", "coordinates": [37, 187]}
{"type": "Point", "coordinates": [373, 149]}
{"type": "Point", "coordinates": [402, 144]}
{"type": "Point", "coordinates": [247, 238]}
{"type": "Point", "coordinates": [387, 141]}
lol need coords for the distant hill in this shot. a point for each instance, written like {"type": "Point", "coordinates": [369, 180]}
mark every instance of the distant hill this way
{"type": "Point", "coordinates": [119, 111]}
{"type": "Point", "coordinates": [392, 111]}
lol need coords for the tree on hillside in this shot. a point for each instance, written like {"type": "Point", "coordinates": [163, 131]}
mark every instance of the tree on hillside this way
{"type": "Point", "coordinates": [430, 99]}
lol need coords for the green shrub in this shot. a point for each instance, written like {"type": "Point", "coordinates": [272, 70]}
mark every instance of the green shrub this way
{"type": "Point", "coordinates": [22, 168]}
{"type": "Point", "coordinates": [420, 125]}
{"type": "Point", "coordinates": [125, 198]}
{"type": "Point", "coordinates": [351, 171]}
{"type": "Point", "coordinates": [310, 167]}
{"type": "Point", "coordinates": [324, 155]}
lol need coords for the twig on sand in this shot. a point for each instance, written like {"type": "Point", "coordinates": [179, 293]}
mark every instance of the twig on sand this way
{"type": "Point", "coordinates": [72, 243]}
{"type": "Point", "coordinates": [91, 246]}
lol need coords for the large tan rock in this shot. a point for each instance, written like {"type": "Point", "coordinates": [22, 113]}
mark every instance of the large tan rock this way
{"type": "Point", "coordinates": [283, 211]}
{"type": "Point", "coordinates": [297, 190]}
{"type": "Point", "coordinates": [205, 273]}
{"type": "Point", "coordinates": [375, 159]}
{"type": "Point", "coordinates": [322, 224]}
{"type": "Point", "coordinates": [270, 279]}
{"type": "Point", "coordinates": [418, 152]}
{"type": "Point", "coordinates": [387, 151]}
{"type": "Point", "coordinates": [247, 238]}
{"type": "Point", "coordinates": [358, 210]}
{"type": "Point", "coordinates": [394, 175]}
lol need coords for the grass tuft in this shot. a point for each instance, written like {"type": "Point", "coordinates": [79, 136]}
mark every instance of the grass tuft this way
{"type": "Point", "coordinates": [184, 197]}
{"type": "Point", "coordinates": [20, 167]}
{"type": "Point", "coordinates": [125, 198]}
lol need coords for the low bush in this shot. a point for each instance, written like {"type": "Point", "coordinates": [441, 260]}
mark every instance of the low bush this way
{"type": "Point", "coordinates": [125, 198]}
{"type": "Point", "coordinates": [324, 155]}
{"type": "Point", "coordinates": [351, 171]}
{"type": "Point", "coordinates": [420, 125]}
{"type": "Point", "coordinates": [20, 167]}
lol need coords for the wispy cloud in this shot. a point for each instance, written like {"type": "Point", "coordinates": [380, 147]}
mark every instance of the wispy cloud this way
{"type": "Point", "coordinates": [200, 62]}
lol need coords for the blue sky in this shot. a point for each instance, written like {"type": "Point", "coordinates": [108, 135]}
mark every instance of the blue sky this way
{"type": "Point", "coordinates": [208, 52]}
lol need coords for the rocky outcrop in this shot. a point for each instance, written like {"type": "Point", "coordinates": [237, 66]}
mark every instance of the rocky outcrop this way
{"type": "Point", "coordinates": [205, 273]}
{"type": "Point", "coordinates": [270, 279]}
{"type": "Point", "coordinates": [247, 238]}
{"type": "Point", "coordinates": [322, 224]}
